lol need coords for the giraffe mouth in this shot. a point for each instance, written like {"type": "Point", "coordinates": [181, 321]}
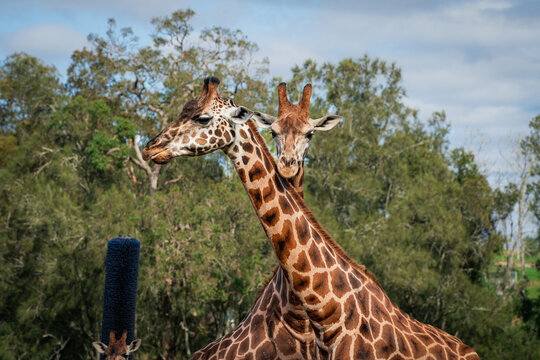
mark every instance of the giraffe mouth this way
{"type": "Point", "coordinates": [157, 155]}
{"type": "Point", "coordinates": [287, 172]}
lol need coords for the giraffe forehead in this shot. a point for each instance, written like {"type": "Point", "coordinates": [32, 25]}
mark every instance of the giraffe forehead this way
{"type": "Point", "coordinates": [223, 103]}
{"type": "Point", "coordinates": [117, 348]}
{"type": "Point", "coordinates": [193, 108]}
{"type": "Point", "coordinates": [196, 107]}
{"type": "Point", "coordinates": [292, 123]}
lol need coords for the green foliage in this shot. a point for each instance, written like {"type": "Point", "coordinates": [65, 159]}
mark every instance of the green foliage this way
{"type": "Point", "coordinates": [98, 151]}
{"type": "Point", "coordinates": [383, 184]}
{"type": "Point", "coordinates": [28, 92]}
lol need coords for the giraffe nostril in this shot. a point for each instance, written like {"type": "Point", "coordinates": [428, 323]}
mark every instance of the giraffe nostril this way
{"type": "Point", "coordinates": [289, 161]}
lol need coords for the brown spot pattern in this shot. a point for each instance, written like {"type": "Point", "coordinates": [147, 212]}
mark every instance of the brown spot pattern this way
{"type": "Point", "coordinates": [255, 195]}
{"type": "Point", "coordinates": [312, 299]}
{"type": "Point", "coordinates": [286, 207]}
{"type": "Point", "coordinates": [256, 172]}
{"type": "Point", "coordinates": [344, 348]}
{"type": "Point", "coordinates": [328, 258]}
{"type": "Point", "coordinates": [247, 147]}
{"type": "Point", "coordinates": [284, 242]}
{"type": "Point", "coordinates": [351, 314]}
{"type": "Point", "coordinates": [268, 192]}
{"type": "Point", "coordinates": [271, 217]}
{"type": "Point", "coordinates": [285, 344]}
{"type": "Point", "coordinates": [362, 350]}
{"type": "Point", "coordinates": [315, 256]}
{"type": "Point", "coordinates": [340, 286]}
{"type": "Point", "coordinates": [329, 313]}
{"type": "Point", "coordinates": [320, 283]}
{"type": "Point", "coordinates": [300, 282]}
{"type": "Point", "coordinates": [302, 263]}
{"type": "Point", "coordinates": [302, 230]}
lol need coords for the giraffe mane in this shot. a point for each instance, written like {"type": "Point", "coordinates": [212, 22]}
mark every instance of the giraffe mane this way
{"type": "Point", "coordinates": [308, 213]}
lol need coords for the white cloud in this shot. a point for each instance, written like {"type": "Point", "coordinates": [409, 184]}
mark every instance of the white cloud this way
{"type": "Point", "coordinates": [46, 40]}
{"type": "Point", "coordinates": [138, 8]}
{"type": "Point", "coordinates": [475, 9]}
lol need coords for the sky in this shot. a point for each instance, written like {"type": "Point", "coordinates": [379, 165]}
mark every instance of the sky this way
{"type": "Point", "coordinates": [479, 61]}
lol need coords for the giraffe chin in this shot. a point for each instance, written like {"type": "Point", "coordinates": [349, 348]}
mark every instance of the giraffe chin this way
{"type": "Point", "coordinates": [162, 157]}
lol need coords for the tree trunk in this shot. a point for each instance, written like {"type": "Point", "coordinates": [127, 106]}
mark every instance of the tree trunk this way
{"type": "Point", "coordinates": [153, 177]}
{"type": "Point", "coordinates": [522, 213]}
{"type": "Point", "coordinates": [508, 267]}
{"type": "Point", "coordinates": [186, 334]}
{"type": "Point", "coordinates": [522, 261]}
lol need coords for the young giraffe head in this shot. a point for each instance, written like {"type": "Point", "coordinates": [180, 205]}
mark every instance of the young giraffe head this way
{"type": "Point", "coordinates": [293, 129]}
{"type": "Point", "coordinates": [117, 349]}
{"type": "Point", "coordinates": [205, 125]}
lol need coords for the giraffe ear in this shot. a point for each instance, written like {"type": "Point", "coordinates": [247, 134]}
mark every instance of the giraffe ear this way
{"type": "Point", "coordinates": [99, 346]}
{"type": "Point", "coordinates": [326, 122]}
{"type": "Point", "coordinates": [134, 346]}
{"type": "Point", "coordinates": [263, 120]}
{"type": "Point", "coordinates": [241, 115]}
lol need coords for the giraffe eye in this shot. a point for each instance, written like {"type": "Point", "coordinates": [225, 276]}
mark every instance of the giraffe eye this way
{"type": "Point", "coordinates": [202, 119]}
{"type": "Point", "coordinates": [309, 135]}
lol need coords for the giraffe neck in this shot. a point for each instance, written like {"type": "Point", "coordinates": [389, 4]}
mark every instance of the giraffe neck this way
{"type": "Point", "coordinates": [315, 266]}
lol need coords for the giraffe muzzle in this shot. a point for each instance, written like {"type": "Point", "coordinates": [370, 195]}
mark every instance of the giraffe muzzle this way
{"type": "Point", "coordinates": [287, 168]}
{"type": "Point", "coordinates": [158, 155]}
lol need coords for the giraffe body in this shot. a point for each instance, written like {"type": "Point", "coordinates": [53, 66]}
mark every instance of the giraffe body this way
{"type": "Point", "coordinates": [275, 328]}
{"type": "Point", "coordinates": [351, 316]}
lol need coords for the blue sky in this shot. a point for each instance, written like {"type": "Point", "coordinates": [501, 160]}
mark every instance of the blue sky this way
{"type": "Point", "coordinates": [477, 60]}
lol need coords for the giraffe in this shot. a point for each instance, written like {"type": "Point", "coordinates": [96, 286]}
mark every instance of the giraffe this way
{"type": "Point", "coordinates": [117, 349]}
{"type": "Point", "coordinates": [351, 316]}
{"type": "Point", "coordinates": [284, 321]}
{"type": "Point", "coordinates": [276, 327]}
{"type": "Point", "coordinates": [292, 131]}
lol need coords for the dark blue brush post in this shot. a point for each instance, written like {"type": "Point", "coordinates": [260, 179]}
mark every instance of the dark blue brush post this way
{"type": "Point", "coordinates": [120, 295]}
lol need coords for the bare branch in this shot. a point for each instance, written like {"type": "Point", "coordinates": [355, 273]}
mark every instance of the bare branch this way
{"type": "Point", "coordinates": [114, 149]}
{"type": "Point", "coordinates": [179, 60]}
{"type": "Point", "coordinates": [158, 111]}
{"type": "Point", "coordinates": [138, 94]}
{"type": "Point", "coordinates": [131, 173]}
{"type": "Point", "coordinates": [172, 181]}
{"type": "Point", "coordinates": [139, 161]}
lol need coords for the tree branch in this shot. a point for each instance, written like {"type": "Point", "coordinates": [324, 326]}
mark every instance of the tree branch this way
{"type": "Point", "coordinates": [172, 181]}
{"type": "Point", "coordinates": [157, 111]}
{"type": "Point", "coordinates": [114, 149]}
{"type": "Point", "coordinates": [139, 161]}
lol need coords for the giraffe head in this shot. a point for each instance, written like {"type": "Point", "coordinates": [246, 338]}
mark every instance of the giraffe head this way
{"type": "Point", "coordinates": [205, 125]}
{"type": "Point", "coordinates": [293, 129]}
{"type": "Point", "coordinates": [117, 349]}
